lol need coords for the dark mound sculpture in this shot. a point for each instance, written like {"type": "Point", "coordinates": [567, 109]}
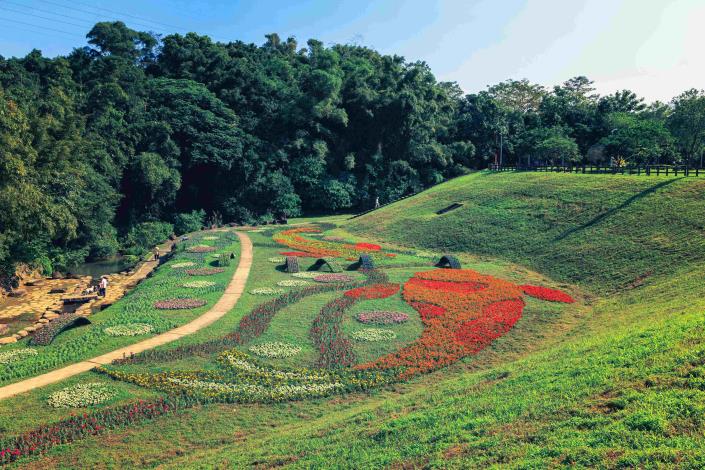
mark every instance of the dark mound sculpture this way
{"type": "Point", "coordinates": [453, 206]}
{"type": "Point", "coordinates": [291, 265]}
{"type": "Point", "coordinates": [364, 262]}
{"type": "Point", "coordinates": [448, 261]}
{"type": "Point", "coordinates": [326, 264]}
{"type": "Point", "coordinates": [51, 330]}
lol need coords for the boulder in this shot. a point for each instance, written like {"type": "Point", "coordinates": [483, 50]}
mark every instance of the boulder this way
{"type": "Point", "coordinates": [23, 333]}
{"type": "Point", "coordinates": [17, 293]}
{"type": "Point", "coordinates": [4, 329]}
{"type": "Point", "coordinates": [8, 340]}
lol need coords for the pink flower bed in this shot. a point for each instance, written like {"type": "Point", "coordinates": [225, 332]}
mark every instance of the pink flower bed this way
{"type": "Point", "coordinates": [382, 317]}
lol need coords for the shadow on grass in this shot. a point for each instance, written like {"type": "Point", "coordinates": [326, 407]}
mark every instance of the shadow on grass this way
{"type": "Point", "coordinates": [614, 210]}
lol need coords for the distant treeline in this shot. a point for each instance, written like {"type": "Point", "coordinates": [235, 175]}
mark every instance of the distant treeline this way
{"type": "Point", "coordinates": [109, 147]}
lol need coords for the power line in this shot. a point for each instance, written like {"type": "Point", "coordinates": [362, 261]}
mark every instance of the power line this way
{"type": "Point", "coordinates": [40, 16]}
{"type": "Point", "coordinates": [41, 27]}
{"type": "Point", "coordinates": [131, 16]}
{"type": "Point", "coordinates": [102, 15]}
{"type": "Point", "coordinates": [48, 12]}
{"type": "Point", "coordinates": [37, 29]}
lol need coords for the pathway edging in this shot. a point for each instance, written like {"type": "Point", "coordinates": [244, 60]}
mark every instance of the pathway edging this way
{"type": "Point", "coordinates": [227, 301]}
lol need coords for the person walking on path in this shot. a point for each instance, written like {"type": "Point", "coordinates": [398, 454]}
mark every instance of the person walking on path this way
{"type": "Point", "coordinates": [156, 254]}
{"type": "Point", "coordinates": [103, 286]}
{"type": "Point", "coordinates": [377, 202]}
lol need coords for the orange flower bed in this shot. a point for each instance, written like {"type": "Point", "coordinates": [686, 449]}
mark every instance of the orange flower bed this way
{"type": "Point", "coordinates": [375, 291]}
{"type": "Point", "coordinates": [462, 311]}
{"type": "Point", "coordinates": [321, 248]}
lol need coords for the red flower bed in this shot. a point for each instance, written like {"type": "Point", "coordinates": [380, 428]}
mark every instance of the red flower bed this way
{"type": "Point", "coordinates": [462, 311]}
{"type": "Point", "coordinates": [496, 319]}
{"type": "Point", "coordinates": [428, 310]}
{"type": "Point", "coordinates": [367, 247]}
{"type": "Point", "coordinates": [457, 320]}
{"type": "Point", "coordinates": [544, 293]}
{"type": "Point", "coordinates": [447, 286]}
{"type": "Point", "coordinates": [376, 291]}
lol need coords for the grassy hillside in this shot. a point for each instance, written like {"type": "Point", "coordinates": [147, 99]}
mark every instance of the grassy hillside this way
{"type": "Point", "coordinates": [602, 232]}
{"type": "Point", "coordinates": [616, 383]}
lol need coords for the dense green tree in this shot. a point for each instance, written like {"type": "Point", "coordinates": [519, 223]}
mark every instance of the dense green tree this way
{"type": "Point", "coordinates": [687, 123]}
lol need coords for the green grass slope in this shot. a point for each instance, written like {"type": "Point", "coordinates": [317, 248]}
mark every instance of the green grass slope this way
{"type": "Point", "coordinates": [599, 231]}
{"type": "Point", "coordinates": [616, 383]}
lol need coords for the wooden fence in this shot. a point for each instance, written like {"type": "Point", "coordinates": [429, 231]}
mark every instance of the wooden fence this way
{"type": "Point", "coordinates": [645, 170]}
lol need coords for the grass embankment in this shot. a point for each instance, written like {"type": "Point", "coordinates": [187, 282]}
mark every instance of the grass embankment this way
{"type": "Point", "coordinates": [599, 231]}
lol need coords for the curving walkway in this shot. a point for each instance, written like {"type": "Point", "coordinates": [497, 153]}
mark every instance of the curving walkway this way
{"type": "Point", "coordinates": [228, 300]}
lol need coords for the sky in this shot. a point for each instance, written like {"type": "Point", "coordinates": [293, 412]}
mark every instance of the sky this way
{"type": "Point", "coordinates": [652, 47]}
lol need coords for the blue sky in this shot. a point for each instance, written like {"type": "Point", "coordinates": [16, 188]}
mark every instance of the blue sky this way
{"type": "Point", "coordinates": [652, 47]}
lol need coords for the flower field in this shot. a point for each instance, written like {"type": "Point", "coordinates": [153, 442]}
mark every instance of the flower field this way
{"type": "Point", "coordinates": [357, 337]}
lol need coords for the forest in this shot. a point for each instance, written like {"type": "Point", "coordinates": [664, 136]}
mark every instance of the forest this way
{"type": "Point", "coordinates": [135, 136]}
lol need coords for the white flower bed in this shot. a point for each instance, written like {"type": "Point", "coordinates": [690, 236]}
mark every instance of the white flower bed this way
{"type": "Point", "coordinates": [292, 283]}
{"type": "Point", "coordinates": [306, 274]}
{"type": "Point", "coordinates": [276, 259]}
{"type": "Point", "coordinates": [267, 291]}
{"type": "Point", "coordinates": [129, 329]}
{"type": "Point", "coordinates": [8, 357]}
{"type": "Point", "coordinates": [198, 284]}
{"type": "Point", "coordinates": [275, 349]}
{"type": "Point", "coordinates": [260, 392]}
{"type": "Point", "coordinates": [210, 237]}
{"type": "Point", "coordinates": [185, 264]}
{"type": "Point", "coordinates": [374, 334]}
{"type": "Point", "coordinates": [81, 395]}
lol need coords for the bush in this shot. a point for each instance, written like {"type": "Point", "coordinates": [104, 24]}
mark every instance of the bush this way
{"type": "Point", "coordinates": [189, 222]}
{"type": "Point", "coordinates": [224, 260]}
{"type": "Point", "coordinates": [148, 234]}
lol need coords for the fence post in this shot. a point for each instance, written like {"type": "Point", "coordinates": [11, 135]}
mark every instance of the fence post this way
{"type": "Point", "coordinates": [666, 171]}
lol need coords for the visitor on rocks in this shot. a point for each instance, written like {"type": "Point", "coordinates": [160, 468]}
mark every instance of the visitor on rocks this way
{"type": "Point", "coordinates": [103, 286]}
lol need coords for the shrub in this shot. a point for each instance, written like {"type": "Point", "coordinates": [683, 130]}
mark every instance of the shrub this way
{"type": "Point", "coordinates": [188, 222]}
{"type": "Point", "coordinates": [224, 260]}
{"type": "Point", "coordinates": [146, 235]}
